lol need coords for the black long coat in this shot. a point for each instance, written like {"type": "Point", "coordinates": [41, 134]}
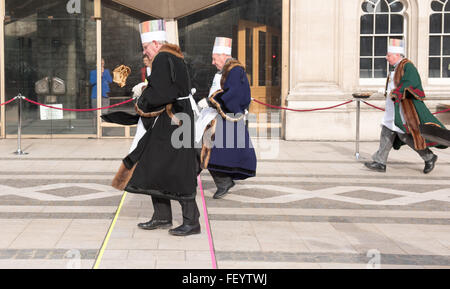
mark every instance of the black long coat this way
{"type": "Point", "coordinates": [158, 168]}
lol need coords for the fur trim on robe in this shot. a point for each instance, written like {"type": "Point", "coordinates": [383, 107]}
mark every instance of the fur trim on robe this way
{"type": "Point", "coordinates": [123, 177]}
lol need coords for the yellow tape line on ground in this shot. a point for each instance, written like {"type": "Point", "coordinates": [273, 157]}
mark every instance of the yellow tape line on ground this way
{"type": "Point", "coordinates": [105, 243]}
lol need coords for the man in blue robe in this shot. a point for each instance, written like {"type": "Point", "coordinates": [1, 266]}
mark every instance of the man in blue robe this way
{"type": "Point", "coordinates": [232, 156]}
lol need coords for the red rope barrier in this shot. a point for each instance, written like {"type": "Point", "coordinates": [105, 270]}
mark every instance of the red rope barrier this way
{"type": "Point", "coordinates": [79, 110]}
{"type": "Point", "coordinates": [374, 106]}
{"type": "Point", "coordinates": [297, 110]}
{"type": "Point", "coordinates": [439, 112]}
{"type": "Point", "coordinates": [8, 102]}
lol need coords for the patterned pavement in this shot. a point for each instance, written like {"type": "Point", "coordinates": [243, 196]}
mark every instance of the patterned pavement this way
{"type": "Point", "coordinates": [312, 205]}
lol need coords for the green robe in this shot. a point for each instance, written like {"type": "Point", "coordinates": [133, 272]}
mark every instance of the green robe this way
{"type": "Point", "coordinates": [410, 87]}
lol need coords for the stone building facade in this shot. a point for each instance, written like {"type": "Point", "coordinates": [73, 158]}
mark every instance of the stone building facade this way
{"type": "Point", "coordinates": [302, 54]}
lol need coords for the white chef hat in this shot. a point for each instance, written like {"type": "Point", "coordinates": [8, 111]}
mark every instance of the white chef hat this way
{"type": "Point", "coordinates": [396, 46]}
{"type": "Point", "coordinates": [223, 45]}
{"type": "Point", "coordinates": [154, 30]}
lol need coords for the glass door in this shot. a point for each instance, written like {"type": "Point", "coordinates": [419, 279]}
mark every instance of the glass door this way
{"type": "Point", "coordinates": [50, 47]}
{"type": "Point", "coordinates": [259, 47]}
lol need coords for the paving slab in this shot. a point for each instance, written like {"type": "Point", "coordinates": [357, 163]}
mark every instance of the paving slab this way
{"type": "Point", "coordinates": [312, 205]}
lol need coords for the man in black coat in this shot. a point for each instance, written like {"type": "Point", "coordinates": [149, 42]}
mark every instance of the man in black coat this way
{"type": "Point", "coordinates": [158, 167]}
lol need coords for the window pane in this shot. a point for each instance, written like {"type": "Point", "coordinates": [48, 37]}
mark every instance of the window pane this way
{"type": "Point", "coordinates": [367, 24]}
{"type": "Point", "coordinates": [446, 45]}
{"type": "Point", "coordinates": [447, 23]}
{"type": "Point", "coordinates": [276, 76]}
{"type": "Point", "coordinates": [381, 44]}
{"type": "Point", "coordinates": [435, 68]}
{"type": "Point", "coordinates": [368, 7]}
{"type": "Point", "coordinates": [397, 24]}
{"type": "Point", "coordinates": [447, 7]}
{"type": "Point", "coordinates": [383, 6]}
{"type": "Point", "coordinates": [397, 7]}
{"type": "Point", "coordinates": [435, 45]}
{"type": "Point", "coordinates": [437, 6]}
{"type": "Point", "coordinates": [49, 51]}
{"type": "Point", "coordinates": [249, 53]}
{"type": "Point", "coordinates": [436, 23]}
{"type": "Point", "coordinates": [262, 58]}
{"type": "Point", "coordinates": [366, 46]}
{"type": "Point", "coordinates": [365, 68]}
{"type": "Point", "coordinates": [446, 68]}
{"type": "Point", "coordinates": [381, 67]}
{"type": "Point", "coordinates": [382, 24]}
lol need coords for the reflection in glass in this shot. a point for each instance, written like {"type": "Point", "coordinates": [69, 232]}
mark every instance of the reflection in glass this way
{"type": "Point", "coordinates": [437, 6]}
{"type": "Point", "coordinates": [368, 7]}
{"type": "Point", "coordinates": [382, 26]}
{"type": "Point", "coordinates": [366, 46]}
{"type": "Point", "coordinates": [382, 6]}
{"type": "Point", "coordinates": [439, 41]}
{"type": "Point", "coordinates": [387, 21]}
{"type": "Point", "coordinates": [446, 46]}
{"type": "Point", "coordinates": [276, 75]}
{"type": "Point", "coordinates": [365, 68]}
{"type": "Point", "coordinates": [262, 58]}
{"type": "Point", "coordinates": [447, 22]}
{"type": "Point", "coordinates": [249, 53]}
{"type": "Point", "coordinates": [435, 45]}
{"type": "Point", "coordinates": [397, 7]}
{"type": "Point", "coordinates": [435, 67]}
{"type": "Point", "coordinates": [380, 68]}
{"type": "Point", "coordinates": [446, 67]}
{"type": "Point", "coordinates": [436, 23]}
{"type": "Point", "coordinates": [397, 24]}
{"type": "Point", "coordinates": [367, 24]}
{"type": "Point", "coordinates": [53, 46]}
{"type": "Point", "coordinates": [121, 45]}
{"type": "Point", "coordinates": [381, 45]}
{"type": "Point", "coordinates": [198, 31]}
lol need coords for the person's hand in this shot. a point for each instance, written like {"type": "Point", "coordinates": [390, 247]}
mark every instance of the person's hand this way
{"type": "Point", "coordinates": [139, 89]}
{"type": "Point", "coordinates": [203, 103]}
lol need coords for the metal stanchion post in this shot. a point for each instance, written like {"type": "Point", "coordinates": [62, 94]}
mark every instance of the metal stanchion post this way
{"type": "Point", "coordinates": [358, 97]}
{"type": "Point", "coordinates": [358, 123]}
{"type": "Point", "coordinates": [19, 151]}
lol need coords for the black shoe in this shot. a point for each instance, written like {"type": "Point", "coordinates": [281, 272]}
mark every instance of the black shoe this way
{"type": "Point", "coordinates": [429, 166]}
{"type": "Point", "coordinates": [221, 192]}
{"type": "Point", "coordinates": [155, 224]}
{"type": "Point", "coordinates": [185, 230]}
{"type": "Point", "coordinates": [374, 166]}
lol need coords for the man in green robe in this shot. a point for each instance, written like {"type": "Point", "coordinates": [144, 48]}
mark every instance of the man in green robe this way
{"type": "Point", "coordinates": [405, 113]}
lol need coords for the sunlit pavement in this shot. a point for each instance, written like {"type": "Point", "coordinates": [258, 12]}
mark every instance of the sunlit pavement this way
{"type": "Point", "coordinates": [312, 205]}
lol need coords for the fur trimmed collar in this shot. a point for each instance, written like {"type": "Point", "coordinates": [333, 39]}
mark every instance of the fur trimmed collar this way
{"type": "Point", "coordinates": [400, 71]}
{"type": "Point", "coordinates": [229, 65]}
{"type": "Point", "coordinates": [172, 49]}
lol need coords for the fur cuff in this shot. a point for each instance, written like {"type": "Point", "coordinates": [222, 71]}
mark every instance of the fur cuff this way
{"type": "Point", "coordinates": [208, 143]}
{"type": "Point", "coordinates": [122, 177]}
{"type": "Point", "coordinates": [219, 109]}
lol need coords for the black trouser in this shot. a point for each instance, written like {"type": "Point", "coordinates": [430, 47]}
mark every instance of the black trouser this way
{"type": "Point", "coordinates": [163, 211]}
{"type": "Point", "coordinates": [222, 180]}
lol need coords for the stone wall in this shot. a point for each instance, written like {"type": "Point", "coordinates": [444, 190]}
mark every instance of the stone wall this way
{"type": "Point", "coordinates": [324, 68]}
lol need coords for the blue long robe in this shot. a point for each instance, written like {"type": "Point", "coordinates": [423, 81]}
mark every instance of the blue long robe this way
{"type": "Point", "coordinates": [233, 152]}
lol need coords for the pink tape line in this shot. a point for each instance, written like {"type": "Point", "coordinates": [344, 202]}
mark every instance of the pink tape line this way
{"type": "Point", "coordinates": [208, 228]}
